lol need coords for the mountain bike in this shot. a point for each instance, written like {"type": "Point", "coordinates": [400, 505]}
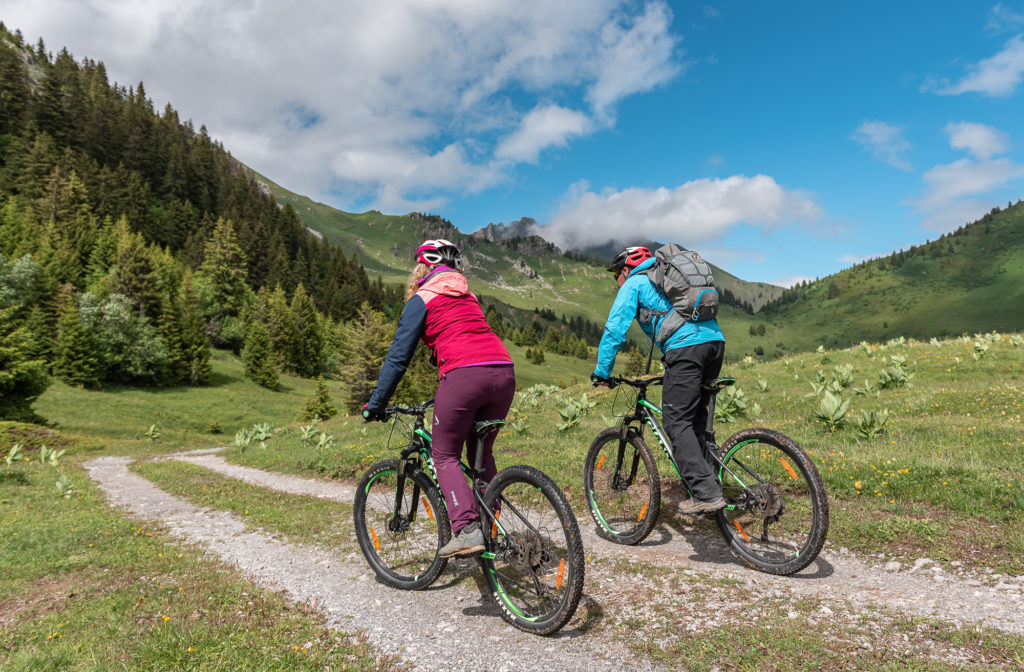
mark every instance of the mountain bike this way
{"type": "Point", "coordinates": [776, 513]}
{"type": "Point", "coordinates": [533, 559]}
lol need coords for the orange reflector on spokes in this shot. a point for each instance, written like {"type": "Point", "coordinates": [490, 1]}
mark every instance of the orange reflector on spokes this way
{"type": "Point", "coordinates": [600, 461]}
{"type": "Point", "coordinates": [426, 505]}
{"type": "Point", "coordinates": [494, 524]}
{"type": "Point", "coordinates": [561, 573]}
{"type": "Point", "coordinates": [376, 543]}
{"type": "Point", "coordinates": [643, 512]}
{"type": "Point", "coordinates": [740, 528]}
{"type": "Point", "coordinates": [792, 474]}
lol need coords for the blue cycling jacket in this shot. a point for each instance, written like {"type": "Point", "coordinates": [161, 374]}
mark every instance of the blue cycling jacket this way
{"type": "Point", "coordinates": [636, 297]}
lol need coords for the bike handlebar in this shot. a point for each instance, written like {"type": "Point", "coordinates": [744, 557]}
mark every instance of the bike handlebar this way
{"type": "Point", "coordinates": [637, 382]}
{"type": "Point", "coordinates": [419, 410]}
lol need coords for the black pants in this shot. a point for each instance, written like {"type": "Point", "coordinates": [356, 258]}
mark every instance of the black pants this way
{"type": "Point", "coordinates": [685, 409]}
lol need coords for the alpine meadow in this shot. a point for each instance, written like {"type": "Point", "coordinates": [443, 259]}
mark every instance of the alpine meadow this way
{"type": "Point", "coordinates": [185, 347]}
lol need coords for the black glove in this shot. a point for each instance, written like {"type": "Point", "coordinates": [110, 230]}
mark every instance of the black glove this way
{"type": "Point", "coordinates": [373, 415]}
{"type": "Point", "coordinates": [599, 381]}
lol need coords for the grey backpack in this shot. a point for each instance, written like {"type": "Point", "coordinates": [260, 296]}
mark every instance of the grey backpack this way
{"type": "Point", "coordinates": [685, 278]}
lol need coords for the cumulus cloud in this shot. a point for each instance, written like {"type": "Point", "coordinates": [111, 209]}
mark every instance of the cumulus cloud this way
{"type": "Point", "coordinates": [389, 104]}
{"type": "Point", "coordinates": [543, 127]}
{"type": "Point", "coordinates": [885, 141]}
{"type": "Point", "coordinates": [997, 76]}
{"type": "Point", "coordinates": [980, 140]}
{"type": "Point", "coordinates": [692, 213]}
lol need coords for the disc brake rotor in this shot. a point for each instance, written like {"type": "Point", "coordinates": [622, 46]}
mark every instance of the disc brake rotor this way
{"type": "Point", "coordinates": [766, 502]}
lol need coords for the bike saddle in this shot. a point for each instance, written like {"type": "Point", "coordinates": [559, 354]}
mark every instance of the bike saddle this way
{"type": "Point", "coordinates": [718, 383]}
{"type": "Point", "coordinates": [485, 427]}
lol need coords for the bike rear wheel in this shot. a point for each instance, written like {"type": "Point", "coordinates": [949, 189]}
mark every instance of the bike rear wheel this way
{"type": "Point", "coordinates": [401, 546]}
{"type": "Point", "coordinates": [776, 515]}
{"type": "Point", "coordinates": [622, 485]}
{"type": "Point", "coordinates": [534, 564]}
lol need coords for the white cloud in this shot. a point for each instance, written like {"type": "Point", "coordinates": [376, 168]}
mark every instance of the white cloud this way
{"type": "Point", "coordinates": [388, 104]}
{"type": "Point", "coordinates": [997, 76]}
{"type": "Point", "coordinates": [693, 213]}
{"type": "Point", "coordinates": [885, 141]}
{"type": "Point", "coordinates": [543, 127]}
{"type": "Point", "coordinates": [950, 182]}
{"type": "Point", "coordinates": [1002, 19]}
{"type": "Point", "coordinates": [634, 59]}
{"type": "Point", "coordinates": [791, 281]}
{"type": "Point", "coordinates": [951, 192]}
{"type": "Point", "coordinates": [980, 140]}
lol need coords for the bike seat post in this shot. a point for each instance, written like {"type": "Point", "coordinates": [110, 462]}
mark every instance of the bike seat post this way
{"type": "Point", "coordinates": [709, 430]}
{"type": "Point", "coordinates": [481, 429]}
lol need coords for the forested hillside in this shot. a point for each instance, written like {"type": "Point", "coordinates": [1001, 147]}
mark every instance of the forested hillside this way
{"type": "Point", "coordinates": [130, 242]}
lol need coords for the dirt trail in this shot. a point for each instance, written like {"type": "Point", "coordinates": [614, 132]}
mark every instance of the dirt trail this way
{"type": "Point", "coordinates": [343, 588]}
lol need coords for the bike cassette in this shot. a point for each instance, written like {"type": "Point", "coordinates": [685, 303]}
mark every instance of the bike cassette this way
{"type": "Point", "coordinates": [766, 502]}
{"type": "Point", "coordinates": [523, 549]}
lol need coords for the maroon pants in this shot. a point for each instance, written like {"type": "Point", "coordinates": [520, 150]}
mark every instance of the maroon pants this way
{"type": "Point", "coordinates": [464, 396]}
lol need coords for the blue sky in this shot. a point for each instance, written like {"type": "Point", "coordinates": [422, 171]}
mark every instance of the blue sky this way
{"type": "Point", "coordinates": [782, 140]}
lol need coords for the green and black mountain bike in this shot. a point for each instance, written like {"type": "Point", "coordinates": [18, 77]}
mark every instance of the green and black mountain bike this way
{"type": "Point", "coordinates": [776, 514]}
{"type": "Point", "coordinates": [533, 560]}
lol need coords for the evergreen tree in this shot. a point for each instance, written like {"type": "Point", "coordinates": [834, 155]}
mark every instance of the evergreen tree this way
{"type": "Point", "coordinates": [76, 360]}
{"type": "Point", "coordinates": [224, 264]}
{"type": "Point", "coordinates": [318, 405]}
{"type": "Point", "coordinates": [365, 341]}
{"type": "Point", "coordinates": [195, 349]}
{"type": "Point", "coordinates": [258, 358]}
{"type": "Point", "coordinates": [308, 341]}
{"type": "Point", "coordinates": [22, 378]}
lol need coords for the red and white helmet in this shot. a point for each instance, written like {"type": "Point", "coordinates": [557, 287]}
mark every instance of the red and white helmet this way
{"type": "Point", "coordinates": [631, 257]}
{"type": "Point", "coordinates": [440, 251]}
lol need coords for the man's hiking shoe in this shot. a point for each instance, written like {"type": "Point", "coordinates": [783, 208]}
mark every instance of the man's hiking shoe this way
{"type": "Point", "coordinates": [693, 506]}
{"type": "Point", "coordinates": [469, 541]}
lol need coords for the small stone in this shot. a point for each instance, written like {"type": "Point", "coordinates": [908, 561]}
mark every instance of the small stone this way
{"type": "Point", "coordinates": [892, 566]}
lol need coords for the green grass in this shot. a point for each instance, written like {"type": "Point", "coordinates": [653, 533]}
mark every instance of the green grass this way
{"type": "Point", "coordinates": [86, 589]}
{"type": "Point", "coordinates": [943, 481]}
{"type": "Point", "coordinates": [260, 508]}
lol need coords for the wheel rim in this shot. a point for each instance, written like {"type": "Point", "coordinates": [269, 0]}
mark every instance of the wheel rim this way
{"type": "Point", "coordinates": [531, 570]}
{"type": "Point", "coordinates": [404, 546]}
{"type": "Point", "coordinates": [620, 507]}
{"type": "Point", "coordinates": [772, 520]}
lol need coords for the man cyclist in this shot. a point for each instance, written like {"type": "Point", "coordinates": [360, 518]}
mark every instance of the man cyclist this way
{"type": "Point", "coordinates": [692, 358]}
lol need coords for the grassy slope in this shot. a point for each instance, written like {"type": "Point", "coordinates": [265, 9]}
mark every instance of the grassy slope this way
{"type": "Point", "coordinates": [979, 287]}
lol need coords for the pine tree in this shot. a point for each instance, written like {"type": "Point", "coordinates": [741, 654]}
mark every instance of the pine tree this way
{"type": "Point", "coordinates": [195, 348]}
{"type": "Point", "coordinates": [224, 264]}
{"type": "Point", "coordinates": [22, 378]}
{"type": "Point", "coordinates": [76, 360]}
{"type": "Point", "coordinates": [258, 359]}
{"type": "Point", "coordinates": [309, 342]}
{"type": "Point", "coordinates": [318, 405]}
{"type": "Point", "coordinates": [365, 341]}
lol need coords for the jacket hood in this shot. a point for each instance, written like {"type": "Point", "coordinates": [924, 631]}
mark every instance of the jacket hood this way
{"type": "Point", "coordinates": [448, 283]}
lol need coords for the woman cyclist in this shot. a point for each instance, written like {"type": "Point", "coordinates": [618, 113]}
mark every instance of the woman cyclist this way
{"type": "Point", "coordinates": [477, 380]}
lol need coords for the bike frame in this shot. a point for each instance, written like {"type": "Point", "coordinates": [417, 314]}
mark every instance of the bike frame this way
{"type": "Point", "coordinates": [647, 413]}
{"type": "Point", "coordinates": [419, 454]}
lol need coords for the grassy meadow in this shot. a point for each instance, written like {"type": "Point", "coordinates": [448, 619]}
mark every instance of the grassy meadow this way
{"type": "Point", "coordinates": [88, 589]}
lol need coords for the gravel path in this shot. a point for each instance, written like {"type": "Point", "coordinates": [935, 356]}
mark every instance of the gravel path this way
{"type": "Point", "coordinates": [344, 590]}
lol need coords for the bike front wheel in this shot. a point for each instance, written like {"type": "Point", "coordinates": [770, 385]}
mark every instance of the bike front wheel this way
{"type": "Point", "coordinates": [776, 515]}
{"type": "Point", "coordinates": [401, 542]}
{"type": "Point", "coordinates": [534, 565]}
{"type": "Point", "coordinates": [622, 485]}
